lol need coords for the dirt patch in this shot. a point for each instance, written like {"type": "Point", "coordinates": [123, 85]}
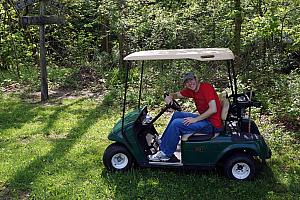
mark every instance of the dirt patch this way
{"type": "Point", "coordinates": [23, 195]}
{"type": "Point", "coordinates": [7, 194]}
{"type": "Point", "coordinates": [88, 84]}
{"type": "Point", "coordinates": [12, 88]}
{"type": "Point", "coordinates": [60, 94]}
{"type": "Point", "coordinates": [288, 123]}
{"type": "Point", "coordinates": [54, 137]}
{"type": "Point", "coordinates": [55, 96]}
{"type": "Point", "coordinates": [88, 77]}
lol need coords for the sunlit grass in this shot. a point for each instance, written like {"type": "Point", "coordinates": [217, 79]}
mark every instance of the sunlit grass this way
{"type": "Point", "coordinates": [55, 151]}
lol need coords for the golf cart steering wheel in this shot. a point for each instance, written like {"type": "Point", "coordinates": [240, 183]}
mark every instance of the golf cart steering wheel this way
{"type": "Point", "coordinates": [173, 104]}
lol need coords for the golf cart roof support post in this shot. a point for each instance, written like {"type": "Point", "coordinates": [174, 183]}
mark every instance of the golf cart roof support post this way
{"type": "Point", "coordinates": [141, 83]}
{"type": "Point", "coordinates": [125, 94]}
{"type": "Point", "coordinates": [234, 81]}
{"type": "Point", "coordinates": [229, 75]}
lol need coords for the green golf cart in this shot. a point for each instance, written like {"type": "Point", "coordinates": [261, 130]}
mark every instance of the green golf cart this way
{"type": "Point", "coordinates": [235, 149]}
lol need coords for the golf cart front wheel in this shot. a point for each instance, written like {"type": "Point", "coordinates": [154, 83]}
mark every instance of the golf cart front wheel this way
{"type": "Point", "coordinates": [240, 167]}
{"type": "Point", "coordinates": [117, 158]}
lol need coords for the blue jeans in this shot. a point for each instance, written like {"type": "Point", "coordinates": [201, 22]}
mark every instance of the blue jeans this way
{"type": "Point", "coordinates": [175, 128]}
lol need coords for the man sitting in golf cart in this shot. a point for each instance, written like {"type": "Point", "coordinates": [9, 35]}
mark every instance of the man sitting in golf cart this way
{"type": "Point", "coordinates": [184, 123]}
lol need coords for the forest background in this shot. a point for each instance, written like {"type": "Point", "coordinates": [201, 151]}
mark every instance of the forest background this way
{"type": "Point", "coordinates": [89, 48]}
{"type": "Point", "coordinates": [86, 52]}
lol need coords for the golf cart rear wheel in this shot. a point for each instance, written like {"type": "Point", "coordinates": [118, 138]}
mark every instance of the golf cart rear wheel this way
{"type": "Point", "coordinates": [117, 158]}
{"type": "Point", "coordinates": [240, 167]}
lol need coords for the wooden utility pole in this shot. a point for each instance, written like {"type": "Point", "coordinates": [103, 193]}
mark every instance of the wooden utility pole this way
{"type": "Point", "coordinates": [44, 80]}
{"type": "Point", "coordinates": [41, 21]}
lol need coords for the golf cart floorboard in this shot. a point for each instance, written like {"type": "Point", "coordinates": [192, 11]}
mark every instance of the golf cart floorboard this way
{"type": "Point", "coordinates": [178, 155]}
{"type": "Point", "coordinates": [175, 161]}
{"type": "Point", "coordinates": [177, 164]}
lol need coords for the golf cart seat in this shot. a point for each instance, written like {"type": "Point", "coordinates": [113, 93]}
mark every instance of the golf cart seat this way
{"type": "Point", "coordinates": [198, 136]}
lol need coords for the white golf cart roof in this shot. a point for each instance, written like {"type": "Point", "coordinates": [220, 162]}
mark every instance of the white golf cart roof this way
{"type": "Point", "coordinates": [202, 54]}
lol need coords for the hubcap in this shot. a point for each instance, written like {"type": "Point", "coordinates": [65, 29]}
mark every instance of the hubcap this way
{"type": "Point", "coordinates": [241, 170]}
{"type": "Point", "coordinates": [119, 161]}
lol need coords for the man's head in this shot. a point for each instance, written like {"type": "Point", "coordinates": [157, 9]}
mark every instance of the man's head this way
{"type": "Point", "coordinates": [190, 81]}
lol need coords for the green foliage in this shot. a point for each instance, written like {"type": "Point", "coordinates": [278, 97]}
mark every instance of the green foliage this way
{"type": "Point", "coordinates": [63, 77]}
{"type": "Point", "coordinates": [86, 51]}
{"type": "Point", "coordinates": [285, 96]}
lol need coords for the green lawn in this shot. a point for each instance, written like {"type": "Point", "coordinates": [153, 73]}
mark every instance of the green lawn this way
{"type": "Point", "coordinates": [54, 151]}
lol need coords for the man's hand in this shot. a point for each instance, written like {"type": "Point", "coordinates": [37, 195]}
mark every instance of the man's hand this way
{"type": "Point", "coordinates": [168, 99]}
{"type": "Point", "coordinates": [189, 120]}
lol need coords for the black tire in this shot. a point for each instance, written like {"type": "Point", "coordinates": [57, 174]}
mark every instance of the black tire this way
{"type": "Point", "coordinates": [239, 167]}
{"type": "Point", "coordinates": [117, 158]}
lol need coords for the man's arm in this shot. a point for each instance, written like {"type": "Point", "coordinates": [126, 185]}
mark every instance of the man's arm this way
{"type": "Point", "coordinates": [212, 109]}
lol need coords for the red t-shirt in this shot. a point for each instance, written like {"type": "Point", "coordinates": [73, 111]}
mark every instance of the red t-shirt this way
{"type": "Point", "coordinates": [202, 97]}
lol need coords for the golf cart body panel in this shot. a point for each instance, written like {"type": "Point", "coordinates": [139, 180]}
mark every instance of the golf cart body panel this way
{"type": "Point", "coordinates": [197, 153]}
{"type": "Point", "coordinates": [130, 141]}
{"type": "Point", "coordinates": [129, 119]}
{"type": "Point", "coordinates": [211, 151]}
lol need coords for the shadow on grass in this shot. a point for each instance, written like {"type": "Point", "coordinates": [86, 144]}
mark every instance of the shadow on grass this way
{"type": "Point", "coordinates": [54, 117]}
{"type": "Point", "coordinates": [22, 181]}
{"type": "Point", "coordinates": [14, 114]}
{"type": "Point", "coordinates": [192, 184]}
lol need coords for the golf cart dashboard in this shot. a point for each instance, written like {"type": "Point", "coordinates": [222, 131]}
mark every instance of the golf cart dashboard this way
{"type": "Point", "coordinates": [142, 116]}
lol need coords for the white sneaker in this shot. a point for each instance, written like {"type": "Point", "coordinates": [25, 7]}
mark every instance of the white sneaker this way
{"type": "Point", "coordinates": [159, 156]}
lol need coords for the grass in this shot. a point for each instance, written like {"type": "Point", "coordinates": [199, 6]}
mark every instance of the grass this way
{"type": "Point", "coordinates": [54, 151]}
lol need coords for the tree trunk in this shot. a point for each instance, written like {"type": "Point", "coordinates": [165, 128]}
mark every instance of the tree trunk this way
{"type": "Point", "coordinates": [123, 46]}
{"type": "Point", "coordinates": [122, 54]}
{"type": "Point", "coordinates": [237, 33]}
{"type": "Point", "coordinates": [259, 8]}
{"type": "Point", "coordinates": [263, 46]}
{"type": "Point", "coordinates": [106, 44]}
